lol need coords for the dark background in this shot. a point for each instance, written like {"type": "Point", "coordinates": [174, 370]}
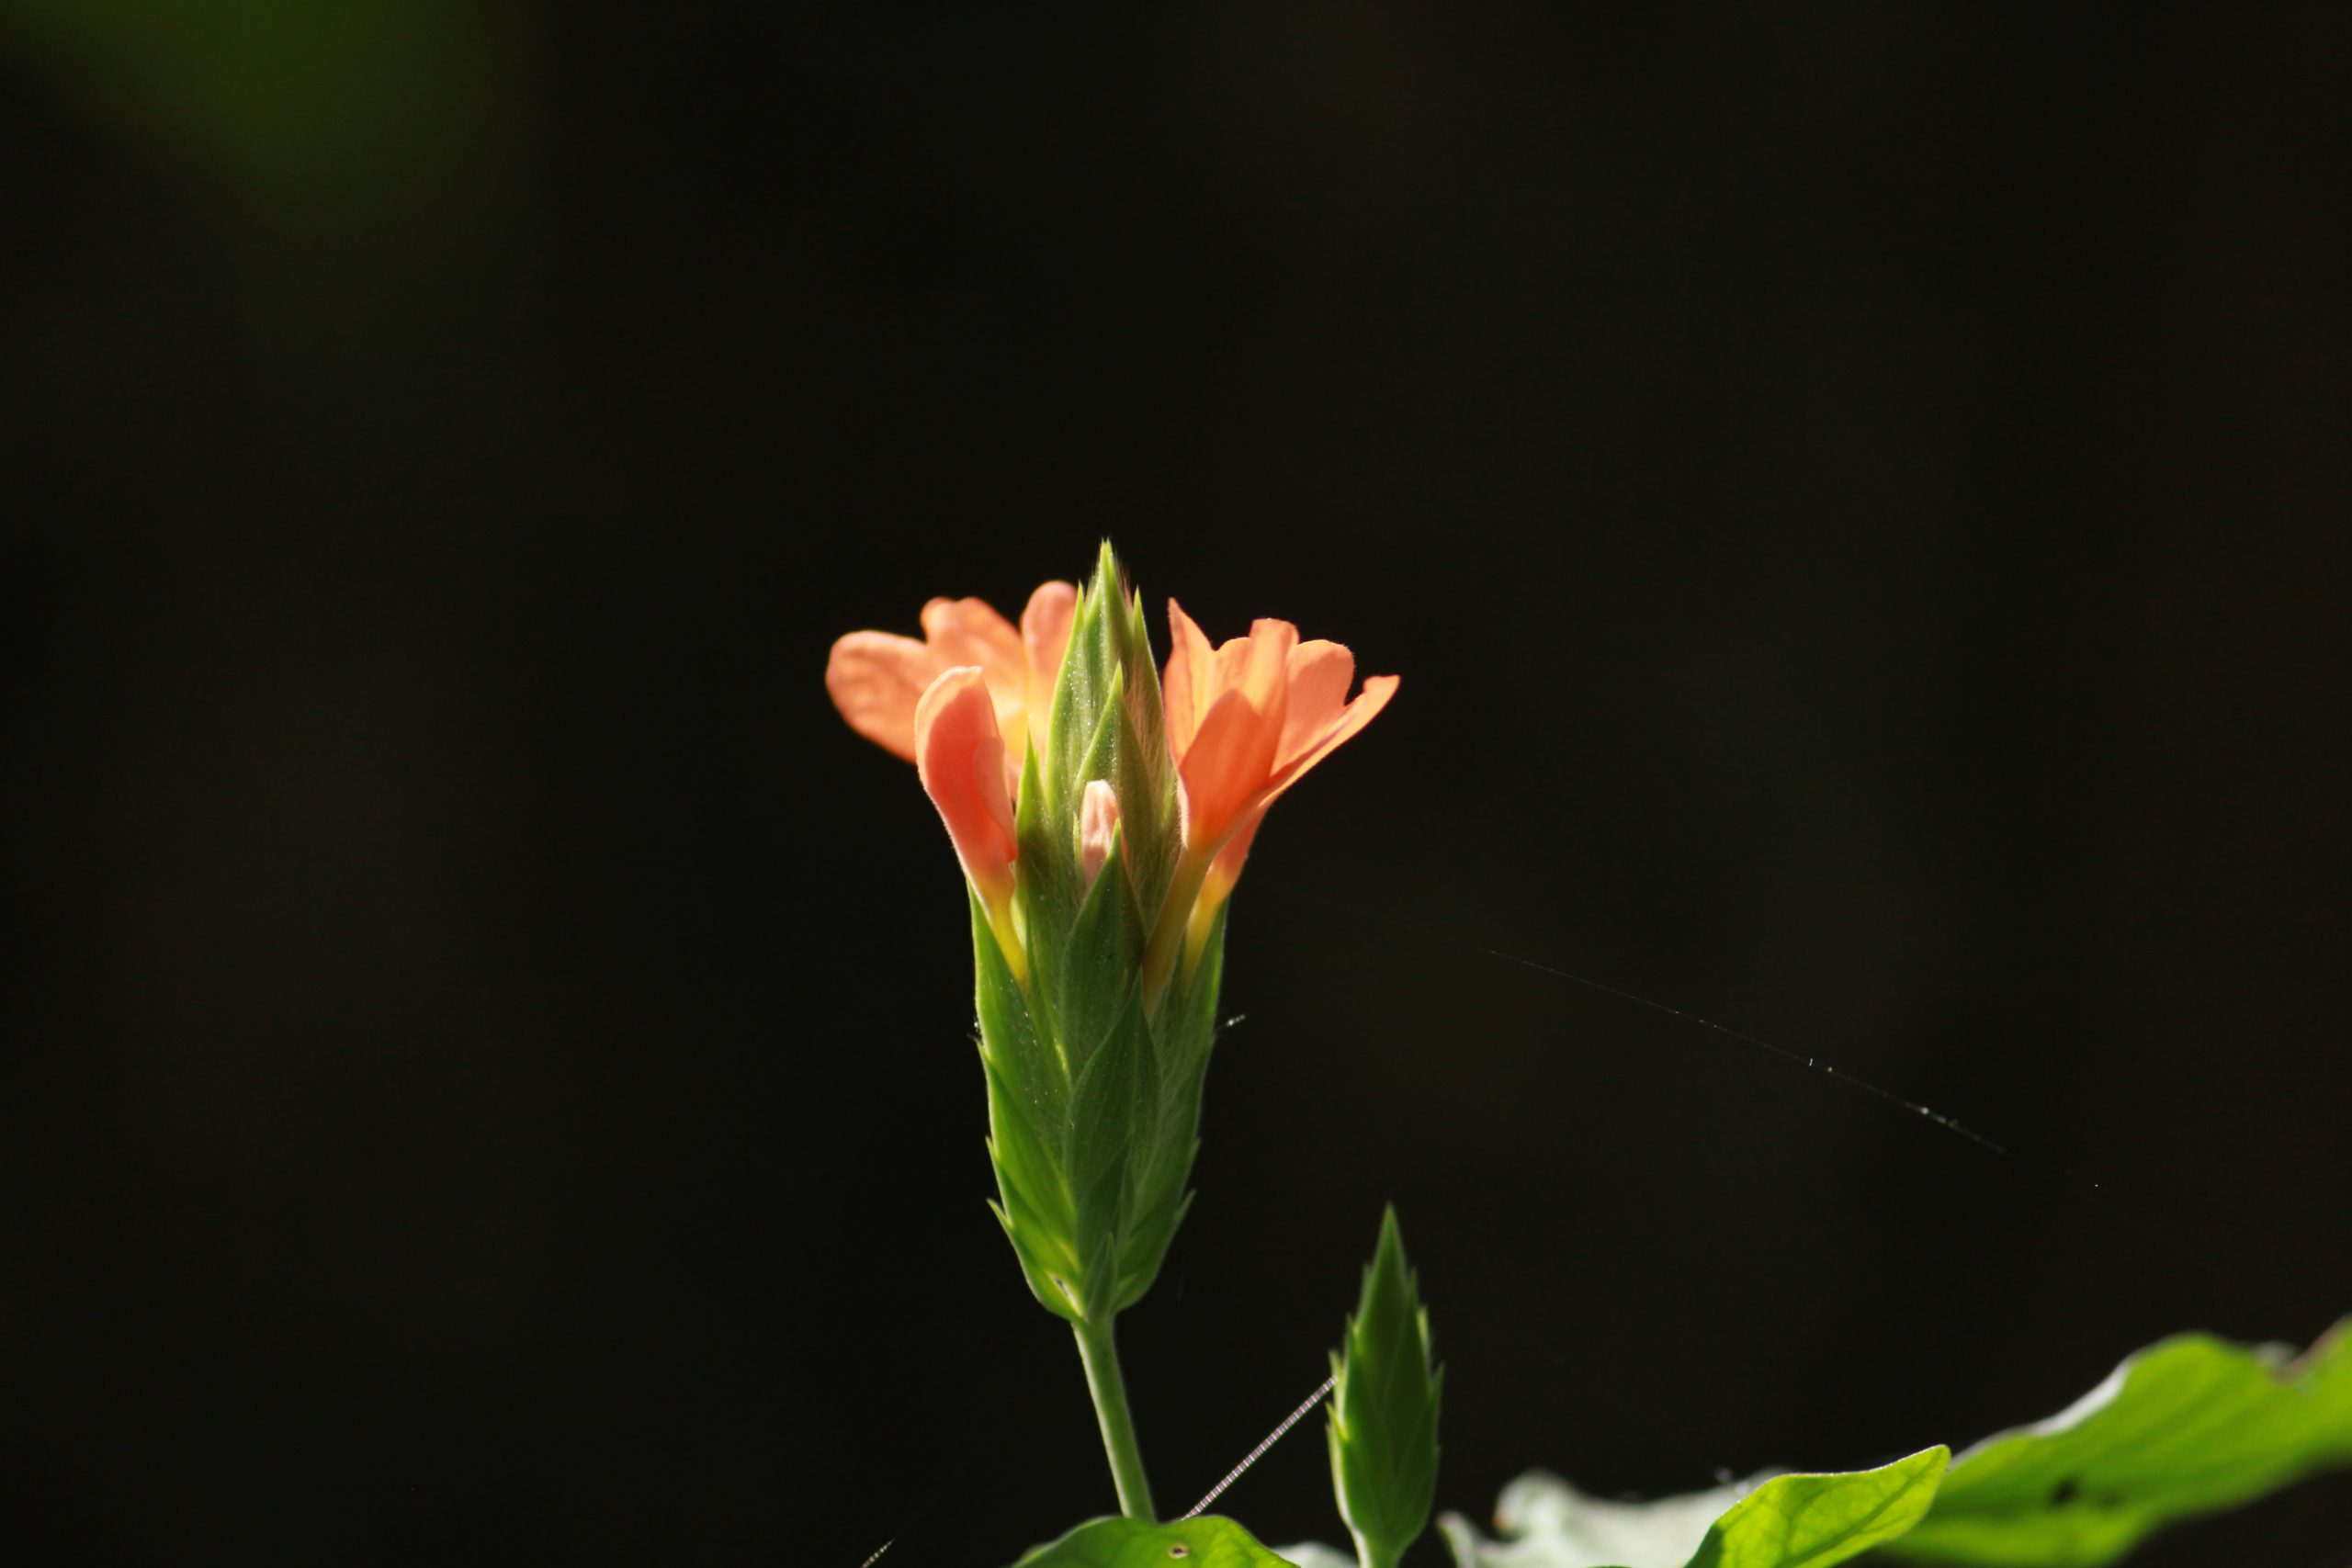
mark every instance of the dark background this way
{"type": "Point", "coordinates": [1856, 499]}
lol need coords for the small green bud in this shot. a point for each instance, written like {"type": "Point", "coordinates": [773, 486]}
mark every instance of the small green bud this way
{"type": "Point", "coordinates": [1384, 1410]}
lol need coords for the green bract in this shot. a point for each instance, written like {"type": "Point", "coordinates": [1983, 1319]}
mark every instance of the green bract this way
{"type": "Point", "coordinates": [1210, 1542]}
{"type": "Point", "coordinates": [1094, 1090]}
{"type": "Point", "coordinates": [1384, 1410]}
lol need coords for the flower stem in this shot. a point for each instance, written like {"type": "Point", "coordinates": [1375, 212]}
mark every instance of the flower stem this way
{"type": "Point", "coordinates": [1096, 1349]}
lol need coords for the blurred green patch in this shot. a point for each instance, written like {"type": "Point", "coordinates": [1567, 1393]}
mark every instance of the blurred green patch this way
{"type": "Point", "coordinates": [304, 101]}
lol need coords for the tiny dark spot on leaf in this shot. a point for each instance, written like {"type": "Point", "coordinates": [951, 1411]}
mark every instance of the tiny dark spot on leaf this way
{"type": "Point", "coordinates": [2065, 1492]}
{"type": "Point", "coordinates": [1180, 1550]}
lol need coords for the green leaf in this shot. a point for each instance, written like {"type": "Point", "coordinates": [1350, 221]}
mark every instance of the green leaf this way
{"type": "Point", "coordinates": [2192, 1426]}
{"type": "Point", "coordinates": [1384, 1410]}
{"type": "Point", "coordinates": [1811, 1521]}
{"type": "Point", "coordinates": [1206, 1542]}
{"type": "Point", "coordinates": [1789, 1521]}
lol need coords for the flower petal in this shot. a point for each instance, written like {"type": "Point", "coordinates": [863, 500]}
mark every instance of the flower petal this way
{"type": "Point", "coordinates": [1377, 690]}
{"type": "Point", "coordinates": [1227, 764]}
{"type": "Point", "coordinates": [1188, 687]}
{"type": "Point", "coordinates": [1045, 634]}
{"type": "Point", "coordinates": [1320, 673]}
{"type": "Point", "coordinates": [959, 755]}
{"type": "Point", "coordinates": [1265, 670]}
{"type": "Point", "coordinates": [877, 680]}
{"type": "Point", "coordinates": [970, 631]}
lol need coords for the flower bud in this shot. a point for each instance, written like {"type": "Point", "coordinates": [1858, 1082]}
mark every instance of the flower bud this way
{"type": "Point", "coordinates": [1098, 825]}
{"type": "Point", "coordinates": [1386, 1389]}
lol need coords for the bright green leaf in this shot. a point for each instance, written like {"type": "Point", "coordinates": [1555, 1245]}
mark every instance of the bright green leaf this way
{"type": "Point", "coordinates": [1811, 1521]}
{"type": "Point", "coordinates": [1208, 1542]}
{"type": "Point", "coordinates": [2192, 1426]}
{"type": "Point", "coordinates": [1790, 1521]}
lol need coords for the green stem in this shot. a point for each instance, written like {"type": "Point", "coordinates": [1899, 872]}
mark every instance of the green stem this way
{"type": "Point", "coordinates": [1376, 1553]}
{"type": "Point", "coordinates": [1096, 1349]}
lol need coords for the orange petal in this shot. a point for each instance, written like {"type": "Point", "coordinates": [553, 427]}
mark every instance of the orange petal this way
{"type": "Point", "coordinates": [960, 754]}
{"type": "Point", "coordinates": [877, 680]}
{"type": "Point", "coordinates": [1231, 756]}
{"type": "Point", "coordinates": [1044, 628]}
{"type": "Point", "coordinates": [1265, 671]}
{"type": "Point", "coordinates": [1226, 720]}
{"type": "Point", "coordinates": [1320, 673]}
{"type": "Point", "coordinates": [1186, 689]}
{"type": "Point", "coordinates": [1045, 634]}
{"type": "Point", "coordinates": [1377, 690]}
{"type": "Point", "coordinates": [970, 631]}
{"type": "Point", "coordinates": [1227, 669]}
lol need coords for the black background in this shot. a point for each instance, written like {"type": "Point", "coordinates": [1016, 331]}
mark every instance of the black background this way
{"type": "Point", "coordinates": [1856, 499]}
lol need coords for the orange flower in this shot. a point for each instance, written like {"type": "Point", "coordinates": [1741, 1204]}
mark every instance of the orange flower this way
{"type": "Point", "coordinates": [877, 678]}
{"type": "Point", "coordinates": [1245, 722]}
{"type": "Point", "coordinates": [959, 755]}
{"type": "Point", "coordinates": [946, 704]}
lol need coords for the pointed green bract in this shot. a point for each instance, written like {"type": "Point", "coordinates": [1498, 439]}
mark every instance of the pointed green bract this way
{"type": "Point", "coordinates": [1106, 724]}
{"type": "Point", "coordinates": [1207, 1543]}
{"type": "Point", "coordinates": [1382, 1426]}
{"type": "Point", "coordinates": [2192, 1426]}
{"type": "Point", "coordinates": [1789, 1521]}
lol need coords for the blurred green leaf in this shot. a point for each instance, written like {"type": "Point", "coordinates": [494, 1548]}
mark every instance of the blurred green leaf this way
{"type": "Point", "coordinates": [1208, 1542]}
{"type": "Point", "coordinates": [2192, 1426]}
